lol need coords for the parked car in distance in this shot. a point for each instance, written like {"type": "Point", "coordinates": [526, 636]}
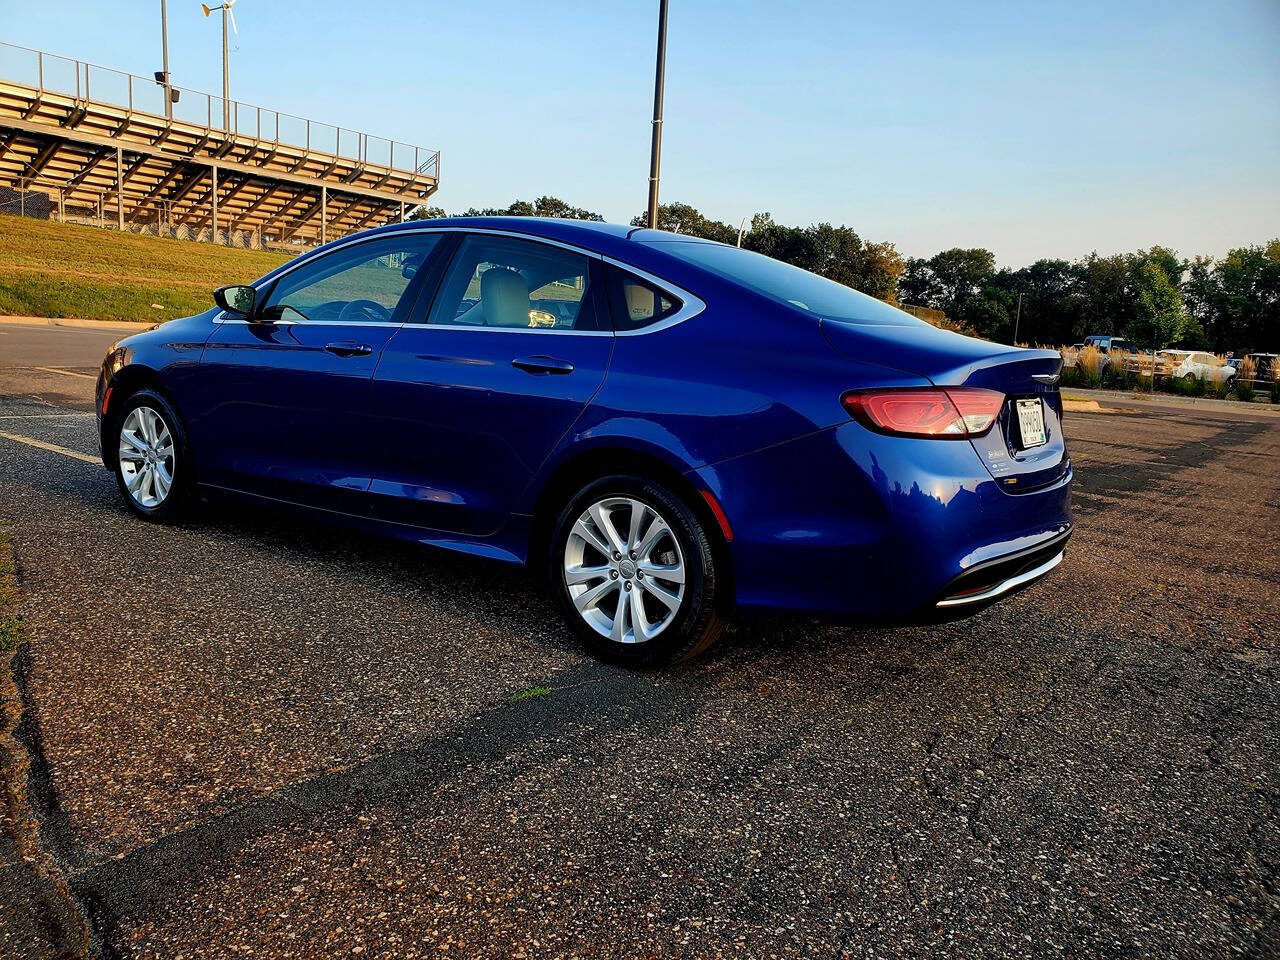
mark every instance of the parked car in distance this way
{"type": "Point", "coordinates": [675, 431]}
{"type": "Point", "coordinates": [1192, 365]}
{"type": "Point", "coordinates": [1264, 365]}
{"type": "Point", "coordinates": [1108, 343]}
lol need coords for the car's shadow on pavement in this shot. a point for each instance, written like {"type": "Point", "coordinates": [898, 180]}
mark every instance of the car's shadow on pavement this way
{"type": "Point", "coordinates": [513, 597]}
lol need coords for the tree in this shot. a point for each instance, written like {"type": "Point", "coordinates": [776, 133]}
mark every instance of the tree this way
{"type": "Point", "coordinates": [682, 218]}
{"type": "Point", "coordinates": [426, 213]}
{"type": "Point", "coordinates": [1246, 298]}
{"type": "Point", "coordinates": [881, 267]}
{"type": "Point", "coordinates": [837, 253]}
{"type": "Point", "coordinates": [542, 207]}
{"type": "Point", "coordinates": [1051, 300]}
{"type": "Point", "coordinates": [918, 285]}
{"type": "Point", "coordinates": [989, 313]}
{"type": "Point", "coordinates": [1200, 296]}
{"type": "Point", "coordinates": [1106, 290]}
{"type": "Point", "coordinates": [1160, 318]}
{"type": "Point", "coordinates": [961, 273]}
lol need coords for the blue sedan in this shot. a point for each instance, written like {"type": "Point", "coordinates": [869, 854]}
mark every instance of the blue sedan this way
{"type": "Point", "coordinates": [675, 431]}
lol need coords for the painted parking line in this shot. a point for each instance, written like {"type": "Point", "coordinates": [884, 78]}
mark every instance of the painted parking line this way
{"type": "Point", "coordinates": [68, 373]}
{"type": "Point", "coordinates": [44, 416]}
{"type": "Point", "coordinates": [51, 447]}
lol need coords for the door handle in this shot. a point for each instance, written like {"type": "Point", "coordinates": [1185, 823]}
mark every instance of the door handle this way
{"type": "Point", "coordinates": [542, 364]}
{"type": "Point", "coordinates": [349, 348]}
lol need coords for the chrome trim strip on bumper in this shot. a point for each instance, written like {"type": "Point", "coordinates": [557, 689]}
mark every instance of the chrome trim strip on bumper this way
{"type": "Point", "coordinates": [1005, 585]}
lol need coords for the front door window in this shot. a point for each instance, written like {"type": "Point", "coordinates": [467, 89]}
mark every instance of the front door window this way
{"type": "Point", "coordinates": [363, 283]}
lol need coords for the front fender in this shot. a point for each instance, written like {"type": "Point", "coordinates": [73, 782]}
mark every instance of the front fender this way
{"type": "Point", "coordinates": [157, 357]}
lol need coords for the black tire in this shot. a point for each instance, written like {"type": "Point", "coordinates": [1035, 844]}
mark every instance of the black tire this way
{"type": "Point", "coordinates": [695, 625]}
{"type": "Point", "coordinates": [175, 503]}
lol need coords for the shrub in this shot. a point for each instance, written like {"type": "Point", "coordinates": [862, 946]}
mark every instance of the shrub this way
{"type": "Point", "coordinates": [1087, 365]}
{"type": "Point", "coordinates": [1245, 375]}
{"type": "Point", "coordinates": [1275, 379]}
{"type": "Point", "coordinates": [1116, 373]}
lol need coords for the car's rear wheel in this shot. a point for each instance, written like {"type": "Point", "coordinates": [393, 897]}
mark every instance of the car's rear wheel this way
{"type": "Point", "coordinates": [152, 460]}
{"type": "Point", "coordinates": [635, 573]}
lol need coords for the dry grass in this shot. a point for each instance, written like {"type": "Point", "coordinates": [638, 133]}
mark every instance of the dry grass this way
{"type": "Point", "coordinates": [11, 626]}
{"type": "Point", "coordinates": [1246, 373]}
{"type": "Point", "coordinates": [1088, 361]}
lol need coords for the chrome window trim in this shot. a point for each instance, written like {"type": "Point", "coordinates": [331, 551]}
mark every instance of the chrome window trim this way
{"type": "Point", "coordinates": [692, 305]}
{"type": "Point", "coordinates": [223, 318]}
{"type": "Point", "coordinates": [479, 328]}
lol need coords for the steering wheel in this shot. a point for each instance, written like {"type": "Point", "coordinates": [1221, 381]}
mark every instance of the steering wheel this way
{"type": "Point", "coordinates": [364, 310]}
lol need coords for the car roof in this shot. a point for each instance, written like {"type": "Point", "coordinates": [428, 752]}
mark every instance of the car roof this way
{"type": "Point", "coordinates": [552, 228]}
{"type": "Point", "coordinates": [615, 240]}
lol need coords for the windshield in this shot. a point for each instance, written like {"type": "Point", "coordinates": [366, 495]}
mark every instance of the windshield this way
{"type": "Point", "coordinates": [786, 284]}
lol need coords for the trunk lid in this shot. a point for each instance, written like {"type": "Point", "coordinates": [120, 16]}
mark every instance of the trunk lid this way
{"type": "Point", "coordinates": [950, 359]}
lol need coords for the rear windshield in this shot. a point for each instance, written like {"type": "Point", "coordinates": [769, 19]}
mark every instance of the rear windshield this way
{"type": "Point", "coordinates": [786, 284]}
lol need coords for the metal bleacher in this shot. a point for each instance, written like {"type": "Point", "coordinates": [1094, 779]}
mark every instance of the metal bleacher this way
{"type": "Point", "coordinates": [98, 142]}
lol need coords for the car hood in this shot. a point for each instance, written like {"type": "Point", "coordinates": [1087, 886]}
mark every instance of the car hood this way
{"type": "Point", "coordinates": [945, 357]}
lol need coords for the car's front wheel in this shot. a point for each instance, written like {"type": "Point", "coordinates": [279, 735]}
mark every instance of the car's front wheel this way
{"type": "Point", "coordinates": [152, 461]}
{"type": "Point", "coordinates": [635, 573]}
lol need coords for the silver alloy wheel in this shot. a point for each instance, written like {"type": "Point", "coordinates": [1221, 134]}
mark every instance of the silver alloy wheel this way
{"type": "Point", "coordinates": [624, 570]}
{"type": "Point", "coordinates": [146, 457]}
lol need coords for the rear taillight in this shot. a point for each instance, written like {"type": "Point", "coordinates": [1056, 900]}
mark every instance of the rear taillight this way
{"type": "Point", "coordinates": [955, 413]}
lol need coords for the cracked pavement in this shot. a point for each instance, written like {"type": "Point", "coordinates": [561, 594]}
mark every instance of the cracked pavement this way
{"type": "Point", "coordinates": [260, 736]}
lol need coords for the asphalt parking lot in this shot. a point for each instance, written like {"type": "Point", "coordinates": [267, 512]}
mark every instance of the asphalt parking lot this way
{"type": "Point", "coordinates": [251, 735]}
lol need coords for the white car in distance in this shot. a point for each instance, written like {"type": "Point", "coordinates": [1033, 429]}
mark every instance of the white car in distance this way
{"type": "Point", "coordinates": [1193, 365]}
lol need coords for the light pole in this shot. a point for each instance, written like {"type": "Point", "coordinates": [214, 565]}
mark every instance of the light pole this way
{"type": "Point", "coordinates": [225, 7]}
{"type": "Point", "coordinates": [164, 42]}
{"type": "Point", "coordinates": [655, 152]}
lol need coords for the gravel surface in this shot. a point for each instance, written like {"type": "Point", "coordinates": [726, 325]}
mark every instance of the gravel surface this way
{"type": "Point", "coordinates": [263, 737]}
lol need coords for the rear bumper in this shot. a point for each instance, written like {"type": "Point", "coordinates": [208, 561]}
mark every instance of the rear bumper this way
{"type": "Point", "coordinates": [854, 524]}
{"type": "Point", "coordinates": [988, 581]}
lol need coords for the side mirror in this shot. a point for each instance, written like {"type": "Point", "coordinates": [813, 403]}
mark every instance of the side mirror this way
{"type": "Point", "coordinates": [238, 298]}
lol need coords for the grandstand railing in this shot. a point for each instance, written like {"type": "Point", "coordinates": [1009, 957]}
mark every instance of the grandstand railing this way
{"type": "Point", "coordinates": [90, 83]}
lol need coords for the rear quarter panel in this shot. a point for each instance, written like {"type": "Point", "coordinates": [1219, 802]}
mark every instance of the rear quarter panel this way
{"type": "Point", "coordinates": [742, 375]}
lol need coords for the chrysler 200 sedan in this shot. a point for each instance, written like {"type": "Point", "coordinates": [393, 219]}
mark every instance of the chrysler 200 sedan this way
{"type": "Point", "coordinates": [675, 430]}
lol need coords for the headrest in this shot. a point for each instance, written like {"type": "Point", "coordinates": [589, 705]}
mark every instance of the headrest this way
{"type": "Point", "coordinates": [504, 298]}
{"type": "Point", "coordinates": [639, 301]}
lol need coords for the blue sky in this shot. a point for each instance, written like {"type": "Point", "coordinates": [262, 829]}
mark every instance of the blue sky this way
{"type": "Point", "coordinates": [1033, 129]}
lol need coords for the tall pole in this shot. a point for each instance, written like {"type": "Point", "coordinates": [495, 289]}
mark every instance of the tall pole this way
{"type": "Point", "coordinates": [655, 153]}
{"type": "Point", "coordinates": [119, 189]}
{"type": "Point", "coordinates": [164, 41]}
{"type": "Point", "coordinates": [226, 75]}
{"type": "Point", "coordinates": [1016, 321]}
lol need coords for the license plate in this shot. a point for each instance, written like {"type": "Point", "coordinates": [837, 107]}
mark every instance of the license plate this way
{"type": "Point", "coordinates": [1031, 423]}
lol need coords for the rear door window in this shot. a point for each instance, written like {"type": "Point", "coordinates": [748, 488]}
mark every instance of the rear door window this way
{"type": "Point", "coordinates": [510, 283]}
